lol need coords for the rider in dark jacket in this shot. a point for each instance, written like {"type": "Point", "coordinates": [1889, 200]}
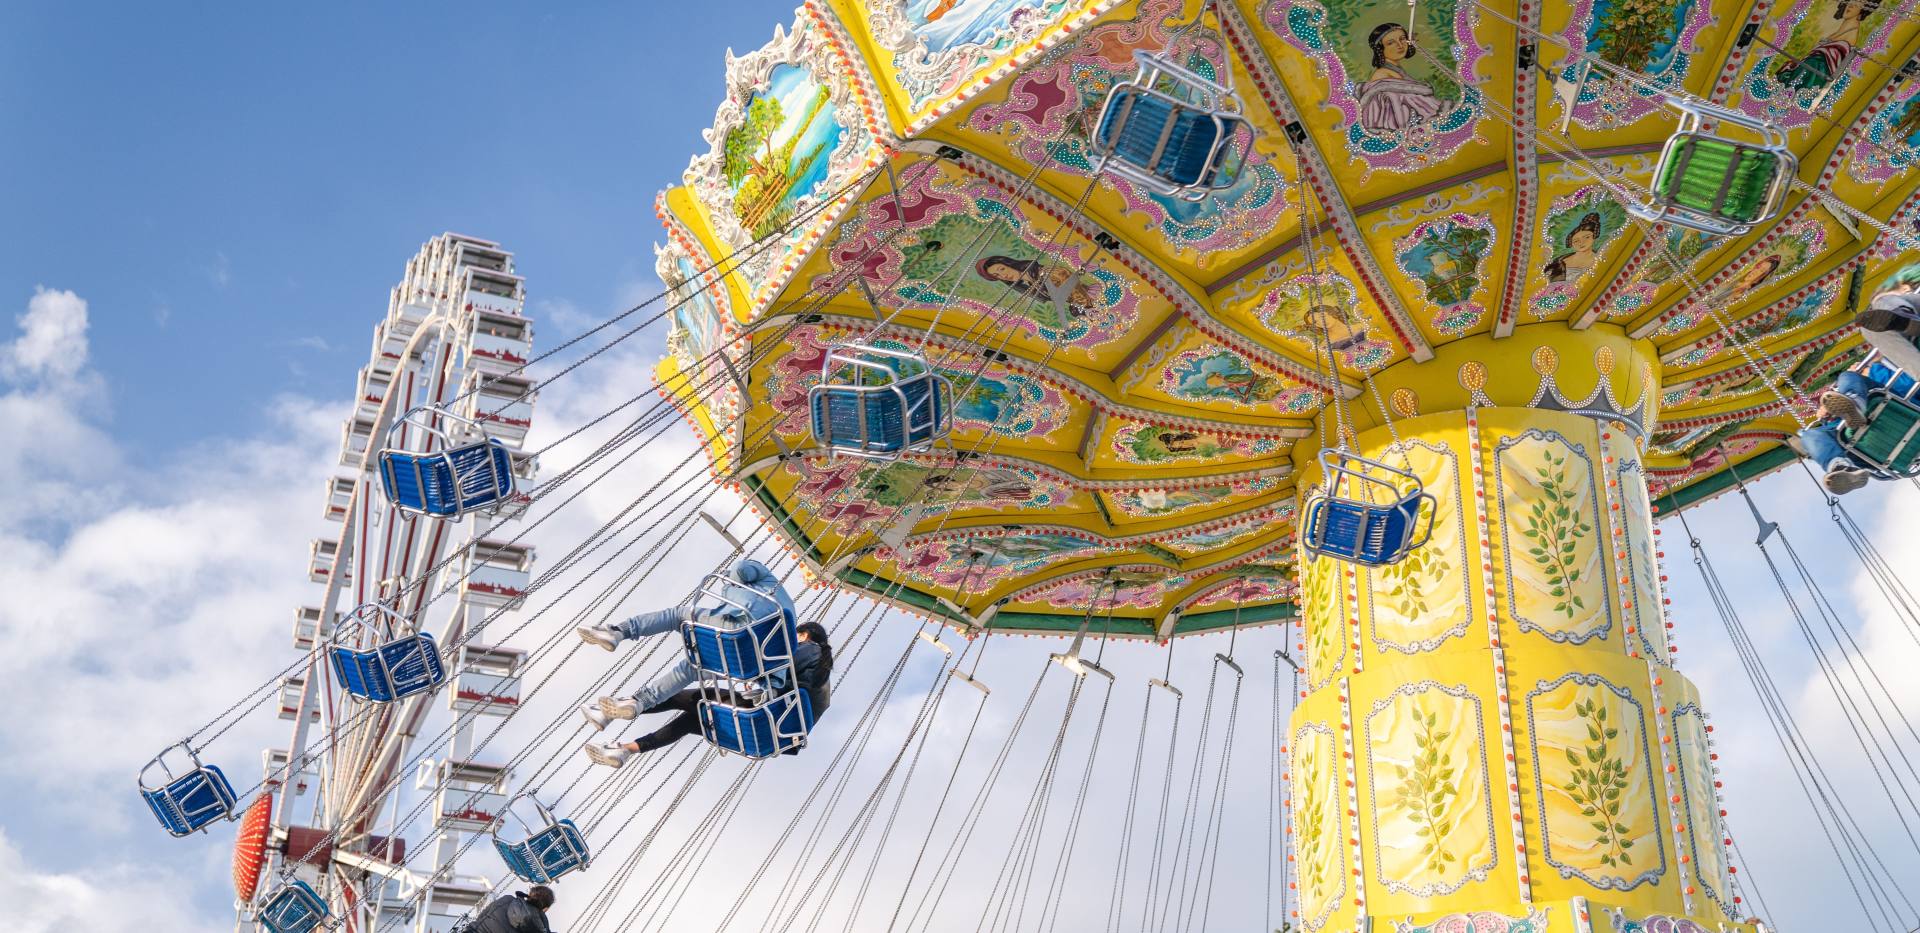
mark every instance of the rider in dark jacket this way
{"type": "Point", "coordinates": [522, 912]}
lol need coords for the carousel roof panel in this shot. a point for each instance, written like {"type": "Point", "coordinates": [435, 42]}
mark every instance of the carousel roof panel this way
{"type": "Point", "coordinates": [1134, 374]}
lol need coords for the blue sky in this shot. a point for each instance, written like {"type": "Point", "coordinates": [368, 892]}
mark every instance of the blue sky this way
{"type": "Point", "coordinates": [201, 213]}
{"type": "Point", "coordinates": [235, 187]}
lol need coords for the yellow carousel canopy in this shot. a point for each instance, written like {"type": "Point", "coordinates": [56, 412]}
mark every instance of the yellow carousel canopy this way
{"type": "Point", "coordinates": [1136, 375]}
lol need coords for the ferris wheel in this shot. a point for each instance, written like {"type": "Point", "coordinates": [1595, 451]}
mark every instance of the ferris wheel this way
{"type": "Point", "coordinates": [395, 583]}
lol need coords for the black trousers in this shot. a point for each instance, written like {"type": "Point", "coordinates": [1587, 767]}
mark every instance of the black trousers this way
{"type": "Point", "coordinates": [687, 704]}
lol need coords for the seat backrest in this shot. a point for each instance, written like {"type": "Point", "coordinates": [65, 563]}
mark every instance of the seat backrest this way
{"type": "Point", "coordinates": [192, 800]}
{"type": "Point", "coordinates": [776, 726]}
{"type": "Point", "coordinates": [294, 908]}
{"type": "Point", "coordinates": [1891, 440]}
{"type": "Point", "coordinates": [551, 851]}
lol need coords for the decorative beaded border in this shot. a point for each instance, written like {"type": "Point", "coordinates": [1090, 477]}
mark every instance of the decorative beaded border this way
{"type": "Point", "coordinates": [1504, 708]}
{"type": "Point", "coordinates": [1676, 799]}
{"type": "Point", "coordinates": [1353, 806]}
{"type": "Point", "coordinates": [1526, 158]}
{"type": "Point", "coordinates": [1714, 891]}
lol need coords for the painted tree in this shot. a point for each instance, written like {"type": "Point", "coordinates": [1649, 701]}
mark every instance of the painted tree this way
{"type": "Point", "coordinates": [1629, 29]}
{"type": "Point", "coordinates": [748, 151]}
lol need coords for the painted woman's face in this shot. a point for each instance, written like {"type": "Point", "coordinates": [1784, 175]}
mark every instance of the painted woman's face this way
{"type": "Point", "coordinates": [1756, 275]}
{"type": "Point", "coordinates": [1394, 46]}
{"type": "Point", "coordinates": [1581, 241]}
{"type": "Point", "coordinates": [1002, 273]}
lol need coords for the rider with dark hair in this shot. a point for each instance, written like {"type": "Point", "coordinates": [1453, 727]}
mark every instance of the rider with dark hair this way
{"type": "Point", "coordinates": [813, 671]}
{"type": "Point", "coordinates": [520, 912]}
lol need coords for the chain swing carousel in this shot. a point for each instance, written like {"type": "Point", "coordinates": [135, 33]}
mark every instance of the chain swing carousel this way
{"type": "Point", "coordinates": [1400, 323]}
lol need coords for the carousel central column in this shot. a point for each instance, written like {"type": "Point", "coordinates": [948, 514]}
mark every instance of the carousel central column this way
{"type": "Point", "coordinates": [1491, 730]}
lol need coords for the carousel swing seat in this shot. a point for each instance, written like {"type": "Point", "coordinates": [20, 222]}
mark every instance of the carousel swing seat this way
{"type": "Point", "coordinates": [1169, 130]}
{"type": "Point", "coordinates": [397, 667]}
{"type": "Point", "coordinates": [186, 803]}
{"type": "Point", "coordinates": [736, 642]}
{"type": "Point", "coordinates": [878, 403]}
{"type": "Point", "coordinates": [1346, 523]}
{"type": "Point", "coordinates": [1890, 443]}
{"type": "Point", "coordinates": [293, 908]}
{"type": "Point", "coordinates": [552, 848]}
{"type": "Point", "coordinates": [468, 471]}
{"type": "Point", "coordinates": [777, 726]}
{"type": "Point", "coordinates": [1715, 184]}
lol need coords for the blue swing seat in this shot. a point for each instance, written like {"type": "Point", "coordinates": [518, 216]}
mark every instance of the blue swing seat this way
{"type": "Point", "coordinates": [878, 403]}
{"type": "Point", "coordinates": [1356, 529]}
{"type": "Point", "coordinates": [775, 727]}
{"type": "Point", "coordinates": [448, 482]}
{"type": "Point", "coordinates": [721, 648]}
{"type": "Point", "coordinates": [1168, 130]}
{"type": "Point", "coordinates": [293, 908]}
{"type": "Point", "coordinates": [396, 668]}
{"type": "Point", "coordinates": [189, 802]}
{"type": "Point", "coordinates": [557, 848]}
{"type": "Point", "coordinates": [452, 481]}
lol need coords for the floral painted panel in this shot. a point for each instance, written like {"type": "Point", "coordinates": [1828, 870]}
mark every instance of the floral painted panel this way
{"type": "Point", "coordinates": [1826, 43]}
{"type": "Point", "coordinates": [1554, 553]}
{"type": "Point", "coordinates": [1154, 503]}
{"type": "Point", "coordinates": [1211, 375]}
{"type": "Point", "coordinates": [1594, 782]}
{"type": "Point", "coordinates": [1319, 839]}
{"type": "Point", "coordinates": [1447, 257]}
{"type": "Point", "coordinates": [1575, 232]}
{"type": "Point", "coordinates": [1433, 818]}
{"type": "Point", "coordinates": [1655, 39]}
{"type": "Point", "coordinates": [1142, 442]}
{"type": "Point", "coordinates": [1709, 864]}
{"type": "Point", "coordinates": [850, 493]}
{"type": "Point", "coordinates": [1402, 107]}
{"type": "Point", "coordinates": [1423, 600]}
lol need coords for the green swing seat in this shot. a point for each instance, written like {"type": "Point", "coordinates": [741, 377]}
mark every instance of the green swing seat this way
{"type": "Point", "coordinates": [1890, 443]}
{"type": "Point", "coordinates": [1716, 185]}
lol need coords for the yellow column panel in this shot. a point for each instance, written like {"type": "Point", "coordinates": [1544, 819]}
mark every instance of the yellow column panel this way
{"type": "Point", "coordinates": [1491, 730]}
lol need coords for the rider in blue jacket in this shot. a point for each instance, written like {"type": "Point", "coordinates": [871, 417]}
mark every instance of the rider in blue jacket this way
{"type": "Point", "coordinates": [752, 592]}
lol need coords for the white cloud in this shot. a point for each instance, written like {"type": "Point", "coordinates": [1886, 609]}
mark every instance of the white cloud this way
{"type": "Point", "coordinates": [53, 341]}
{"type": "Point", "coordinates": [105, 897]}
{"type": "Point", "coordinates": [221, 272]}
